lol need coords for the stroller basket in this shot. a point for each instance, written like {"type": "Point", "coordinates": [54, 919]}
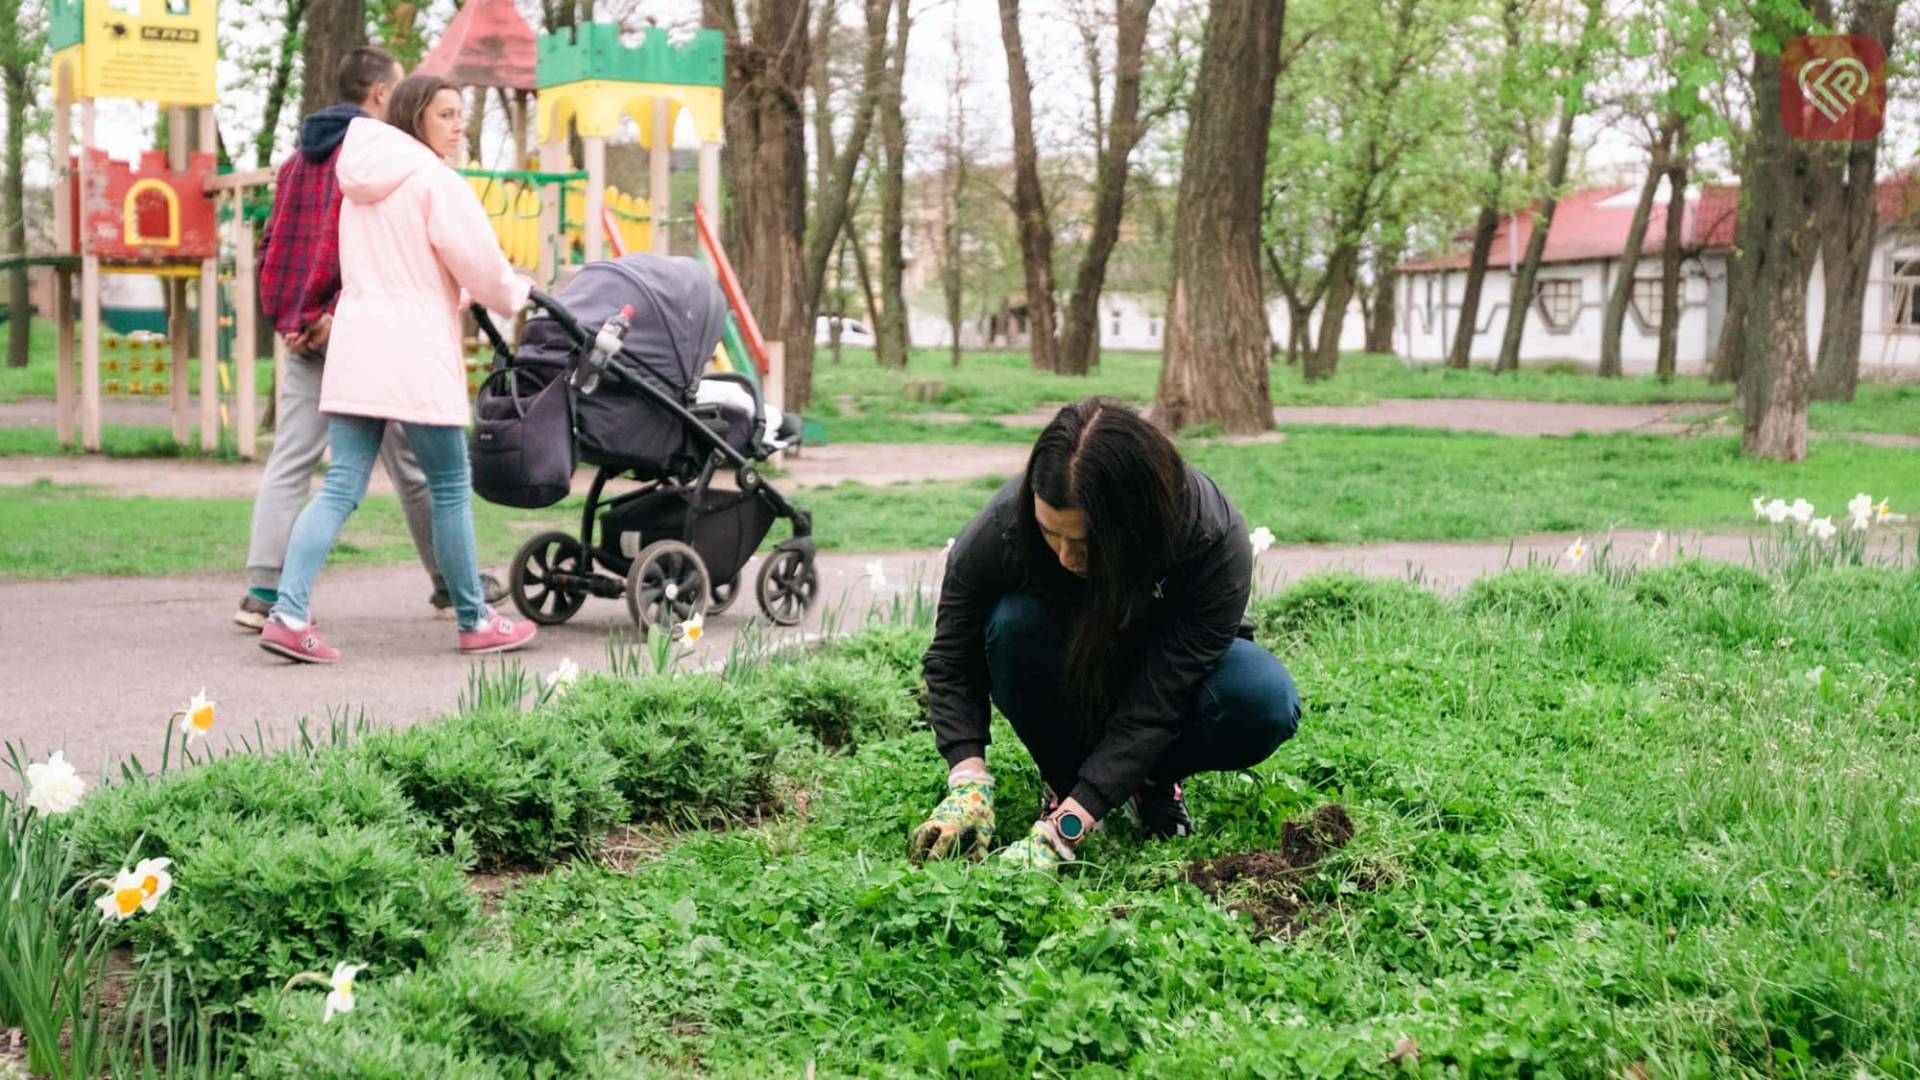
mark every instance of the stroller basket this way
{"type": "Point", "coordinates": [726, 530]}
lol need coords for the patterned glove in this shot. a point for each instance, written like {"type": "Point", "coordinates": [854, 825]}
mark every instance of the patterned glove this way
{"type": "Point", "coordinates": [1040, 849]}
{"type": "Point", "coordinates": [962, 824]}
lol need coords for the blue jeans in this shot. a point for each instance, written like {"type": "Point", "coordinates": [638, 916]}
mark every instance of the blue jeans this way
{"type": "Point", "coordinates": [355, 441]}
{"type": "Point", "coordinates": [1239, 715]}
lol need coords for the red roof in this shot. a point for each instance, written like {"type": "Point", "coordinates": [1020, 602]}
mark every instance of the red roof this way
{"type": "Point", "coordinates": [1583, 229]}
{"type": "Point", "coordinates": [487, 44]}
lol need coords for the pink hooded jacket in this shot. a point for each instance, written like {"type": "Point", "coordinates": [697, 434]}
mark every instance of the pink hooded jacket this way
{"type": "Point", "coordinates": [412, 236]}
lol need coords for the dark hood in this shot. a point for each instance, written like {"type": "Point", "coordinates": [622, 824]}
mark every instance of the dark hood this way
{"type": "Point", "coordinates": [322, 133]}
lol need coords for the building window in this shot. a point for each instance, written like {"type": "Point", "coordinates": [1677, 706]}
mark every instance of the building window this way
{"type": "Point", "coordinates": [1560, 303]}
{"type": "Point", "coordinates": [1116, 322]}
{"type": "Point", "coordinates": [1904, 290]}
{"type": "Point", "coordinates": [1153, 328]}
{"type": "Point", "coordinates": [1646, 303]}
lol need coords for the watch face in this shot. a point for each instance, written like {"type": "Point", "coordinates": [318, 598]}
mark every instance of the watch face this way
{"type": "Point", "coordinates": [1070, 826]}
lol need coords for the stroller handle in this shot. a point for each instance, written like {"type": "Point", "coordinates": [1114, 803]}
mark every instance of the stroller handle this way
{"type": "Point", "coordinates": [555, 308]}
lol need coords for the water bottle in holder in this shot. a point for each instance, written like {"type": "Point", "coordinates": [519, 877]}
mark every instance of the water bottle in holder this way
{"type": "Point", "coordinates": [612, 335]}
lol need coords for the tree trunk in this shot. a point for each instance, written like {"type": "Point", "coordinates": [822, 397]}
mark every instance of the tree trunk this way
{"type": "Point", "coordinates": [1215, 368]}
{"type": "Point", "coordinates": [1848, 221]}
{"type": "Point", "coordinates": [1727, 355]}
{"type": "Point", "coordinates": [1324, 359]}
{"type": "Point", "coordinates": [1611, 366]}
{"type": "Point", "coordinates": [334, 29]}
{"type": "Point", "coordinates": [765, 163]}
{"type": "Point", "coordinates": [1380, 319]}
{"type": "Point", "coordinates": [477, 127]}
{"type": "Point", "coordinates": [1461, 355]}
{"type": "Point", "coordinates": [864, 272]}
{"type": "Point", "coordinates": [19, 314]}
{"type": "Point", "coordinates": [1079, 333]}
{"type": "Point", "coordinates": [1029, 202]}
{"type": "Point", "coordinates": [891, 335]}
{"type": "Point", "coordinates": [1782, 202]}
{"type": "Point", "coordinates": [834, 192]}
{"type": "Point", "coordinates": [1665, 365]}
{"type": "Point", "coordinates": [1523, 281]}
{"type": "Point", "coordinates": [264, 142]}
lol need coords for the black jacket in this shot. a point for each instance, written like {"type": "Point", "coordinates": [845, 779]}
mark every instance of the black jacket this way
{"type": "Point", "coordinates": [1195, 611]}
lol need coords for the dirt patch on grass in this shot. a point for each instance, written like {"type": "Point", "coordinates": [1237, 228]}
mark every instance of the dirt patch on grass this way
{"type": "Point", "coordinates": [1265, 884]}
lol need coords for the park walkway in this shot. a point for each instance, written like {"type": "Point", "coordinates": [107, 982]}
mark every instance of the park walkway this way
{"type": "Point", "coordinates": [93, 666]}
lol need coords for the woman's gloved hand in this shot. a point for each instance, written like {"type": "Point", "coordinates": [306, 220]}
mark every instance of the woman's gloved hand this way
{"type": "Point", "coordinates": [1041, 849]}
{"type": "Point", "coordinates": [961, 825]}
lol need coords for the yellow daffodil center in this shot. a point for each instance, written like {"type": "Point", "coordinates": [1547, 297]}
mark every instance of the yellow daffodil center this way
{"type": "Point", "coordinates": [149, 885]}
{"type": "Point", "coordinates": [201, 718]}
{"type": "Point", "coordinates": [694, 632]}
{"type": "Point", "coordinates": [128, 900]}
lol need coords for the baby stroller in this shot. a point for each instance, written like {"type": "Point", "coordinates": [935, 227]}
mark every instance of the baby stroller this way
{"type": "Point", "coordinates": [675, 547]}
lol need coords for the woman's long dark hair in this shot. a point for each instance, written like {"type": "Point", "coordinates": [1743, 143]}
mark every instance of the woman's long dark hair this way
{"type": "Point", "coordinates": [407, 107]}
{"type": "Point", "coordinates": [1105, 460]}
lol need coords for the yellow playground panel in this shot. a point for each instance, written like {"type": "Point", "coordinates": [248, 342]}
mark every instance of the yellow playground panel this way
{"type": "Point", "coordinates": [514, 208]}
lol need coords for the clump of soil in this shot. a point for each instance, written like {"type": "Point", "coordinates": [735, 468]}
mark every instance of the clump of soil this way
{"type": "Point", "coordinates": [1265, 884]}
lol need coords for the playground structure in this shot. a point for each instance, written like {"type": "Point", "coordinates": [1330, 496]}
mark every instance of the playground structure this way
{"type": "Point", "coordinates": [155, 216]}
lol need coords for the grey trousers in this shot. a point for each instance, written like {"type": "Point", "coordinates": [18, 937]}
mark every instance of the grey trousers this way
{"type": "Point", "coordinates": [300, 440]}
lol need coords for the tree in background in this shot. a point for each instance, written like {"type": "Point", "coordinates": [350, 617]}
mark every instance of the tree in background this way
{"type": "Point", "coordinates": [956, 155]}
{"type": "Point", "coordinates": [22, 41]}
{"type": "Point", "coordinates": [1029, 200]}
{"type": "Point", "coordinates": [334, 29]}
{"type": "Point", "coordinates": [765, 163]}
{"type": "Point", "coordinates": [279, 71]}
{"type": "Point", "coordinates": [837, 167]}
{"type": "Point", "coordinates": [1569, 76]}
{"type": "Point", "coordinates": [1496, 115]}
{"type": "Point", "coordinates": [1113, 145]}
{"type": "Point", "coordinates": [1215, 366]}
{"type": "Point", "coordinates": [891, 335]}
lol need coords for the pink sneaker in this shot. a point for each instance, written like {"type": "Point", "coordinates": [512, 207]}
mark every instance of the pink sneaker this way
{"type": "Point", "coordinates": [496, 634]}
{"type": "Point", "coordinates": [304, 646]}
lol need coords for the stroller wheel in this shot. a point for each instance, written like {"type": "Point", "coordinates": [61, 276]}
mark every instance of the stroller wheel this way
{"type": "Point", "coordinates": [788, 586]}
{"type": "Point", "coordinates": [666, 586]}
{"type": "Point", "coordinates": [532, 582]}
{"type": "Point", "coordinates": [721, 596]}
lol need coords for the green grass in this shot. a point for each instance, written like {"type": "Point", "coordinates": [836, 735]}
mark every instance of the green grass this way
{"type": "Point", "coordinates": [115, 441]}
{"type": "Point", "coordinates": [1320, 485]}
{"type": "Point", "coordinates": [1657, 822]}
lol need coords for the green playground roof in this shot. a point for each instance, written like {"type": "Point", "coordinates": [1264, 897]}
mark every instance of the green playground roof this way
{"type": "Point", "coordinates": [594, 51]}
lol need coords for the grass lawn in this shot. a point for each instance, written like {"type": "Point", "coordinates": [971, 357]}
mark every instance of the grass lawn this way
{"type": "Point", "coordinates": [1663, 823]}
{"type": "Point", "coordinates": [1320, 485]}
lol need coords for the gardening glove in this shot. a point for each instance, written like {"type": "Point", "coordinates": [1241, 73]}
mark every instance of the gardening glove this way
{"type": "Point", "coordinates": [1041, 849]}
{"type": "Point", "coordinates": [962, 824]}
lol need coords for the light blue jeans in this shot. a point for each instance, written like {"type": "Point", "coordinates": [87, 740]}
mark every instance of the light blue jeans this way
{"type": "Point", "coordinates": [355, 441]}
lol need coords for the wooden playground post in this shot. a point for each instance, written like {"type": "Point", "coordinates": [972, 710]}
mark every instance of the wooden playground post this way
{"type": "Point", "coordinates": [209, 319]}
{"type": "Point", "coordinates": [553, 253]}
{"type": "Point", "coordinates": [245, 420]}
{"type": "Point", "coordinates": [89, 304]}
{"type": "Point", "coordinates": [659, 186]}
{"type": "Point", "coordinates": [774, 386]}
{"type": "Point", "coordinates": [64, 391]}
{"type": "Point", "coordinates": [596, 148]}
{"type": "Point", "coordinates": [710, 181]}
{"type": "Point", "coordinates": [63, 211]}
{"type": "Point", "coordinates": [178, 324]}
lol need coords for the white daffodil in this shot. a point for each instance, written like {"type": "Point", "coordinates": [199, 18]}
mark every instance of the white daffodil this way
{"type": "Point", "coordinates": [1822, 528]}
{"type": "Point", "coordinates": [53, 787]}
{"type": "Point", "coordinates": [563, 676]}
{"type": "Point", "coordinates": [1576, 551]}
{"type": "Point", "coordinates": [1759, 507]}
{"type": "Point", "coordinates": [154, 881]}
{"type": "Point", "coordinates": [1777, 511]}
{"type": "Point", "coordinates": [199, 716]}
{"type": "Point", "coordinates": [1659, 544]}
{"type": "Point", "coordinates": [1802, 511]}
{"type": "Point", "coordinates": [1862, 522]}
{"type": "Point", "coordinates": [1262, 539]}
{"type": "Point", "coordinates": [693, 629]}
{"type": "Point", "coordinates": [1884, 512]}
{"type": "Point", "coordinates": [126, 897]}
{"type": "Point", "coordinates": [1860, 506]}
{"type": "Point", "coordinates": [340, 998]}
{"type": "Point", "coordinates": [877, 574]}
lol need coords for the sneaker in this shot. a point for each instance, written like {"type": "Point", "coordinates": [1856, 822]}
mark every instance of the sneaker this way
{"type": "Point", "coordinates": [253, 613]}
{"type": "Point", "coordinates": [303, 646]}
{"type": "Point", "coordinates": [1161, 811]}
{"type": "Point", "coordinates": [442, 600]}
{"type": "Point", "coordinates": [496, 634]}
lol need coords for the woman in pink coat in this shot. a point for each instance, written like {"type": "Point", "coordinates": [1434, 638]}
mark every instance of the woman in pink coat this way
{"type": "Point", "coordinates": [412, 236]}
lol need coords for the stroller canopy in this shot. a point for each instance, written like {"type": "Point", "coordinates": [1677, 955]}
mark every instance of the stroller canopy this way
{"type": "Point", "coordinates": [678, 316]}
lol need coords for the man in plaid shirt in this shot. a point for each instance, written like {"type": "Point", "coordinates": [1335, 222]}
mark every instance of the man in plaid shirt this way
{"type": "Point", "coordinates": [299, 285]}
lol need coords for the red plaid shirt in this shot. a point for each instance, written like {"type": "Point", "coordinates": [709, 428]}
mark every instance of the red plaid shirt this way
{"type": "Point", "coordinates": [300, 256]}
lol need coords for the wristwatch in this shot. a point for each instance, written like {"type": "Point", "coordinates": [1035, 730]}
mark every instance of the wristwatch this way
{"type": "Point", "coordinates": [1071, 827]}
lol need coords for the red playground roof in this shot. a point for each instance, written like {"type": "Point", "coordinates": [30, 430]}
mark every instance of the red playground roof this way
{"type": "Point", "coordinates": [487, 44]}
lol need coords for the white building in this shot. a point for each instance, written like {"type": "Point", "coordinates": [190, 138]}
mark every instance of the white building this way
{"type": "Point", "coordinates": [1581, 262]}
